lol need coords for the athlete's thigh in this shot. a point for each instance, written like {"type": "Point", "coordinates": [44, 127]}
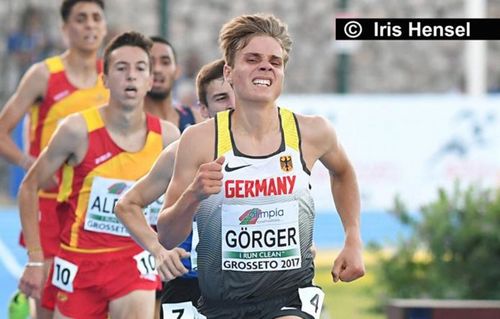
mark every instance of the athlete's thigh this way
{"type": "Point", "coordinates": [137, 304]}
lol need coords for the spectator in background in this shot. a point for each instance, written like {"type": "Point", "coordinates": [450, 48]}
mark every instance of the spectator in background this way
{"type": "Point", "coordinates": [26, 45]}
{"type": "Point", "coordinates": [30, 43]}
{"type": "Point", "coordinates": [185, 86]}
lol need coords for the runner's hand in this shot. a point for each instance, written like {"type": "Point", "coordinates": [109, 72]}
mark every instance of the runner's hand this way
{"type": "Point", "coordinates": [349, 264]}
{"type": "Point", "coordinates": [31, 282]}
{"type": "Point", "coordinates": [169, 263]}
{"type": "Point", "coordinates": [208, 179]}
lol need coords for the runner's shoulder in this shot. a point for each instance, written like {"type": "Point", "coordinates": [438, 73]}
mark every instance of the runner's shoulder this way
{"type": "Point", "coordinates": [35, 80]}
{"type": "Point", "coordinates": [199, 140]}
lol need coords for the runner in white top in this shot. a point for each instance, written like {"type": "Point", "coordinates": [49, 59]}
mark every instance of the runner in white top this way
{"type": "Point", "coordinates": [248, 188]}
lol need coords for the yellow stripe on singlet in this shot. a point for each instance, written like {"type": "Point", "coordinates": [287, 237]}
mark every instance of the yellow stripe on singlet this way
{"type": "Point", "coordinates": [93, 119]}
{"type": "Point", "coordinates": [93, 251]}
{"type": "Point", "coordinates": [223, 133]}
{"type": "Point", "coordinates": [289, 129]}
{"type": "Point", "coordinates": [66, 183]}
{"type": "Point", "coordinates": [55, 64]}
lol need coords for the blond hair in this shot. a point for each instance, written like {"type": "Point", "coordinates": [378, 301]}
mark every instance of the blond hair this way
{"type": "Point", "coordinates": [236, 34]}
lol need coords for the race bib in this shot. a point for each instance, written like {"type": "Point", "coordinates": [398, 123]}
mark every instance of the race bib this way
{"type": "Point", "coordinates": [312, 300]}
{"type": "Point", "coordinates": [260, 237]}
{"type": "Point", "coordinates": [181, 310]}
{"type": "Point", "coordinates": [64, 274]}
{"type": "Point", "coordinates": [104, 195]}
{"type": "Point", "coordinates": [146, 263]}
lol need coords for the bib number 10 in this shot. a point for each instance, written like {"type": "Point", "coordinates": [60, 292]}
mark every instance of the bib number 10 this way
{"type": "Point", "coordinates": [145, 263]}
{"type": "Point", "coordinates": [64, 274]}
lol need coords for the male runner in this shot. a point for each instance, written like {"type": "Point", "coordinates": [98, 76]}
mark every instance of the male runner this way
{"type": "Point", "coordinates": [214, 95]}
{"type": "Point", "coordinates": [159, 100]}
{"type": "Point", "coordinates": [49, 91]}
{"type": "Point", "coordinates": [248, 187]}
{"type": "Point", "coordinates": [99, 269]}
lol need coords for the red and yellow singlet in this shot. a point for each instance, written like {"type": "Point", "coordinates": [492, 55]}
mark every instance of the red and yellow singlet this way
{"type": "Point", "coordinates": [90, 190]}
{"type": "Point", "coordinates": [61, 99]}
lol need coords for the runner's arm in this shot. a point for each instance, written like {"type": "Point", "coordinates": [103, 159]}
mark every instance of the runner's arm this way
{"type": "Point", "coordinates": [61, 148]}
{"type": "Point", "coordinates": [344, 187]}
{"type": "Point", "coordinates": [129, 210]}
{"type": "Point", "coordinates": [170, 133]}
{"type": "Point", "coordinates": [31, 88]}
{"type": "Point", "coordinates": [149, 188]}
{"type": "Point", "coordinates": [195, 178]}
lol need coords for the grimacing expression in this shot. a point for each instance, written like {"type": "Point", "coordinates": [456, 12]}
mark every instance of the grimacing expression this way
{"type": "Point", "coordinates": [258, 71]}
{"type": "Point", "coordinates": [164, 70]}
{"type": "Point", "coordinates": [85, 27]}
{"type": "Point", "coordinates": [129, 77]}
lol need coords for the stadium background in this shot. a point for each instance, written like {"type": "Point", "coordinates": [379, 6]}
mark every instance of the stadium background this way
{"type": "Point", "coordinates": [354, 84]}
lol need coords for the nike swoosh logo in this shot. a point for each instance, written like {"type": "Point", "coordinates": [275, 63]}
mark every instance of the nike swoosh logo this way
{"type": "Point", "coordinates": [227, 168]}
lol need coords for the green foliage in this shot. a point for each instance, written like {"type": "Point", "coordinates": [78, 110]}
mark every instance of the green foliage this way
{"type": "Point", "coordinates": [453, 250]}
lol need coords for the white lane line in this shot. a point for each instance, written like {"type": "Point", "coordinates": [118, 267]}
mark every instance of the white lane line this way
{"type": "Point", "coordinates": [10, 262]}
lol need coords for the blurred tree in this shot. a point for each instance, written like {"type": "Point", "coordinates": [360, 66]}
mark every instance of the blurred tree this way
{"type": "Point", "coordinates": [453, 251]}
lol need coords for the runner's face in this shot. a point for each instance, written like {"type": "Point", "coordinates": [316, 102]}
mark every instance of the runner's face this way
{"type": "Point", "coordinates": [220, 97]}
{"type": "Point", "coordinates": [258, 71]}
{"type": "Point", "coordinates": [164, 68]}
{"type": "Point", "coordinates": [85, 28]}
{"type": "Point", "coordinates": [128, 78]}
